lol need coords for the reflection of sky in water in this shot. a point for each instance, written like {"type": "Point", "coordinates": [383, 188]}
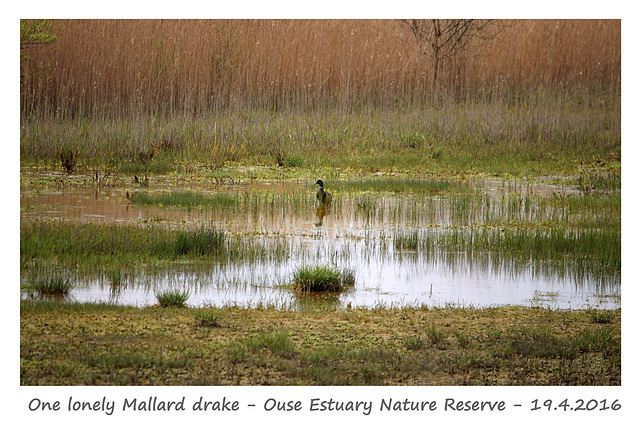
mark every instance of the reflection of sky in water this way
{"type": "Point", "coordinates": [381, 280]}
{"type": "Point", "coordinates": [347, 237]}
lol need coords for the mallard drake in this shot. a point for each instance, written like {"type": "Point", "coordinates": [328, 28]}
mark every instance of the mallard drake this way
{"type": "Point", "coordinates": [321, 195]}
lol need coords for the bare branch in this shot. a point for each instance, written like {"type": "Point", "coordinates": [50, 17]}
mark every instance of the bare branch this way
{"type": "Point", "coordinates": [443, 39]}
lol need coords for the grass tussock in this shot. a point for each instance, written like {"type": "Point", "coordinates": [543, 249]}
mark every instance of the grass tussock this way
{"type": "Point", "coordinates": [172, 298]}
{"type": "Point", "coordinates": [209, 318]}
{"type": "Point", "coordinates": [262, 347]}
{"type": "Point", "coordinates": [52, 286]}
{"type": "Point", "coordinates": [602, 316]}
{"type": "Point", "coordinates": [321, 279]}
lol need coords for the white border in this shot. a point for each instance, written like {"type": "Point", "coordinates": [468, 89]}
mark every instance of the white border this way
{"type": "Point", "coordinates": [14, 402]}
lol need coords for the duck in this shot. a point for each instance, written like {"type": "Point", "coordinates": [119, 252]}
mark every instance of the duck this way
{"type": "Point", "coordinates": [322, 196]}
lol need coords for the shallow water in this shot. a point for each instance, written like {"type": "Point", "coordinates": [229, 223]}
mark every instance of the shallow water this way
{"type": "Point", "coordinates": [356, 232]}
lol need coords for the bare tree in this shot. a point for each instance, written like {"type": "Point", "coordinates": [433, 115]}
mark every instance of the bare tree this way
{"type": "Point", "coordinates": [444, 39]}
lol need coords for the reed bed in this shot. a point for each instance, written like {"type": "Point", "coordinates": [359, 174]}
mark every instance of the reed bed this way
{"type": "Point", "coordinates": [197, 65]}
{"type": "Point", "coordinates": [162, 96]}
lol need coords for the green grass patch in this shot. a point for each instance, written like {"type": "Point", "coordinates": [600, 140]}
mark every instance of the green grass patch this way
{"type": "Point", "coordinates": [543, 343]}
{"type": "Point", "coordinates": [112, 244]}
{"type": "Point", "coordinates": [396, 186]}
{"type": "Point", "coordinates": [319, 279]}
{"type": "Point", "coordinates": [592, 250]}
{"type": "Point", "coordinates": [133, 360]}
{"type": "Point", "coordinates": [184, 199]}
{"type": "Point", "coordinates": [262, 347]}
{"type": "Point", "coordinates": [539, 342]}
{"type": "Point", "coordinates": [200, 242]}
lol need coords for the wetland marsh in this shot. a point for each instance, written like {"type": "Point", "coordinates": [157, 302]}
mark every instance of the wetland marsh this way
{"type": "Point", "coordinates": [170, 232]}
{"type": "Point", "coordinates": [409, 242]}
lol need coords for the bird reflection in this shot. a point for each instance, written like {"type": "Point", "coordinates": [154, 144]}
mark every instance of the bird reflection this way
{"type": "Point", "coordinates": [321, 211]}
{"type": "Point", "coordinates": [306, 300]}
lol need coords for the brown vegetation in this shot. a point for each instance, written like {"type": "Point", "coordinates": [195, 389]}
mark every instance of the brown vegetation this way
{"type": "Point", "coordinates": [119, 66]}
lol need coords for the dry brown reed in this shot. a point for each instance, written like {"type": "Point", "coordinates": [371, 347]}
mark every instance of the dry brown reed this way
{"type": "Point", "coordinates": [170, 66]}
